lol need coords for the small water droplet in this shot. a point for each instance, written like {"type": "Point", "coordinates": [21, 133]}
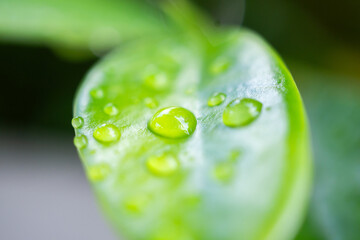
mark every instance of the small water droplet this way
{"type": "Point", "coordinates": [163, 165]}
{"type": "Point", "coordinates": [173, 122]}
{"type": "Point", "coordinates": [216, 99]}
{"type": "Point", "coordinates": [80, 141]}
{"type": "Point", "coordinates": [110, 109]}
{"type": "Point", "coordinates": [224, 172]}
{"type": "Point", "coordinates": [97, 93]}
{"type": "Point", "coordinates": [136, 204]}
{"type": "Point", "coordinates": [77, 122]}
{"type": "Point", "coordinates": [98, 172]}
{"type": "Point", "coordinates": [150, 102]}
{"type": "Point", "coordinates": [241, 112]}
{"type": "Point", "coordinates": [220, 65]}
{"type": "Point", "coordinates": [157, 81]}
{"type": "Point", "coordinates": [107, 133]}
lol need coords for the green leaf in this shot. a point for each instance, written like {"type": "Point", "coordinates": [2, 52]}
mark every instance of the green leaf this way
{"type": "Point", "coordinates": [191, 176]}
{"type": "Point", "coordinates": [333, 104]}
{"type": "Point", "coordinates": [77, 24]}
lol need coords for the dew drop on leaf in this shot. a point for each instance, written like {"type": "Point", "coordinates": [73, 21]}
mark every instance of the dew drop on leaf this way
{"type": "Point", "coordinates": [110, 109]}
{"type": "Point", "coordinates": [107, 133]}
{"type": "Point", "coordinates": [150, 102]}
{"type": "Point", "coordinates": [173, 122]}
{"type": "Point", "coordinates": [219, 66]}
{"type": "Point", "coordinates": [241, 112]}
{"type": "Point", "coordinates": [136, 204]}
{"type": "Point", "coordinates": [157, 81]}
{"type": "Point", "coordinates": [98, 172]}
{"type": "Point", "coordinates": [77, 122]}
{"type": "Point", "coordinates": [224, 172]}
{"type": "Point", "coordinates": [80, 141]}
{"type": "Point", "coordinates": [163, 165]}
{"type": "Point", "coordinates": [216, 99]}
{"type": "Point", "coordinates": [97, 93]}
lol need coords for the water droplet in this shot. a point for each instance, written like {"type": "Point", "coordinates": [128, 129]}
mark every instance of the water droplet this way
{"type": "Point", "coordinates": [241, 112]}
{"type": "Point", "coordinates": [216, 99]}
{"type": "Point", "coordinates": [77, 122]}
{"type": "Point", "coordinates": [97, 93]}
{"type": "Point", "coordinates": [98, 172]}
{"type": "Point", "coordinates": [150, 102]}
{"type": "Point", "coordinates": [157, 81]}
{"type": "Point", "coordinates": [224, 172]}
{"type": "Point", "coordinates": [163, 165]}
{"type": "Point", "coordinates": [136, 204]}
{"type": "Point", "coordinates": [80, 141]}
{"type": "Point", "coordinates": [220, 65]}
{"type": "Point", "coordinates": [234, 155]}
{"type": "Point", "coordinates": [173, 122]}
{"type": "Point", "coordinates": [107, 133]}
{"type": "Point", "coordinates": [110, 109]}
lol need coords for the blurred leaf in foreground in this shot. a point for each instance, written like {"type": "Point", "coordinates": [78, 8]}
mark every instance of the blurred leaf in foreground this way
{"type": "Point", "coordinates": [77, 24]}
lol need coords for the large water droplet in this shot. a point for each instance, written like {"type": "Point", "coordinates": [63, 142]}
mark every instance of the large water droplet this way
{"type": "Point", "coordinates": [216, 99]}
{"type": "Point", "coordinates": [107, 133]}
{"type": "Point", "coordinates": [163, 165]}
{"type": "Point", "coordinates": [220, 65]}
{"type": "Point", "coordinates": [111, 110]}
{"type": "Point", "coordinates": [77, 122]}
{"type": "Point", "coordinates": [80, 141]}
{"type": "Point", "coordinates": [173, 122]}
{"type": "Point", "coordinates": [98, 172]}
{"type": "Point", "coordinates": [241, 112]}
{"type": "Point", "coordinates": [97, 93]}
{"type": "Point", "coordinates": [150, 102]}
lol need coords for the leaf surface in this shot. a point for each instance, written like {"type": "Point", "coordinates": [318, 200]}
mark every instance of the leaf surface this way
{"type": "Point", "coordinates": [214, 181]}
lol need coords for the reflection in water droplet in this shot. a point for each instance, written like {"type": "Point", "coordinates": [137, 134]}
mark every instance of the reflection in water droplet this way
{"type": "Point", "coordinates": [77, 122]}
{"type": "Point", "coordinates": [241, 112]}
{"type": "Point", "coordinates": [110, 109]}
{"type": "Point", "coordinates": [224, 172]}
{"type": "Point", "coordinates": [150, 102]}
{"type": "Point", "coordinates": [97, 93]}
{"type": "Point", "coordinates": [220, 65]}
{"type": "Point", "coordinates": [173, 122]}
{"type": "Point", "coordinates": [98, 172]}
{"type": "Point", "coordinates": [107, 133]}
{"type": "Point", "coordinates": [80, 141]}
{"type": "Point", "coordinates": [163, 165]}
{"type": "Point", "coordinates": [216, 99]}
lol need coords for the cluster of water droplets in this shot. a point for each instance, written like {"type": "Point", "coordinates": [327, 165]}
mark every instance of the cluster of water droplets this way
{"type": "Point", "coordinates": [172, 122]}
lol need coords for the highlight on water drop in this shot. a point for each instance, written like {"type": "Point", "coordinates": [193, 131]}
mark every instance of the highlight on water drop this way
{"type": "Point", "coordinates": [77, 122]}
{"type": "Point", "coordinates": [162, 165]}
{"type": "Point", "coordinates": [107, 133]}
{"type": "Point", "coordinates": [241, 112]}
{"type": "Point", "coordinates": [216, 99]}
{"type": "Point", "coordinates": [173, 122]}
{"type": "Point", "coordinates": [80, 141]}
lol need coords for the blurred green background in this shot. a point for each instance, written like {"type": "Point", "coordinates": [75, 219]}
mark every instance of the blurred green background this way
{"type": "Point", "coordinates": [319, 41]}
